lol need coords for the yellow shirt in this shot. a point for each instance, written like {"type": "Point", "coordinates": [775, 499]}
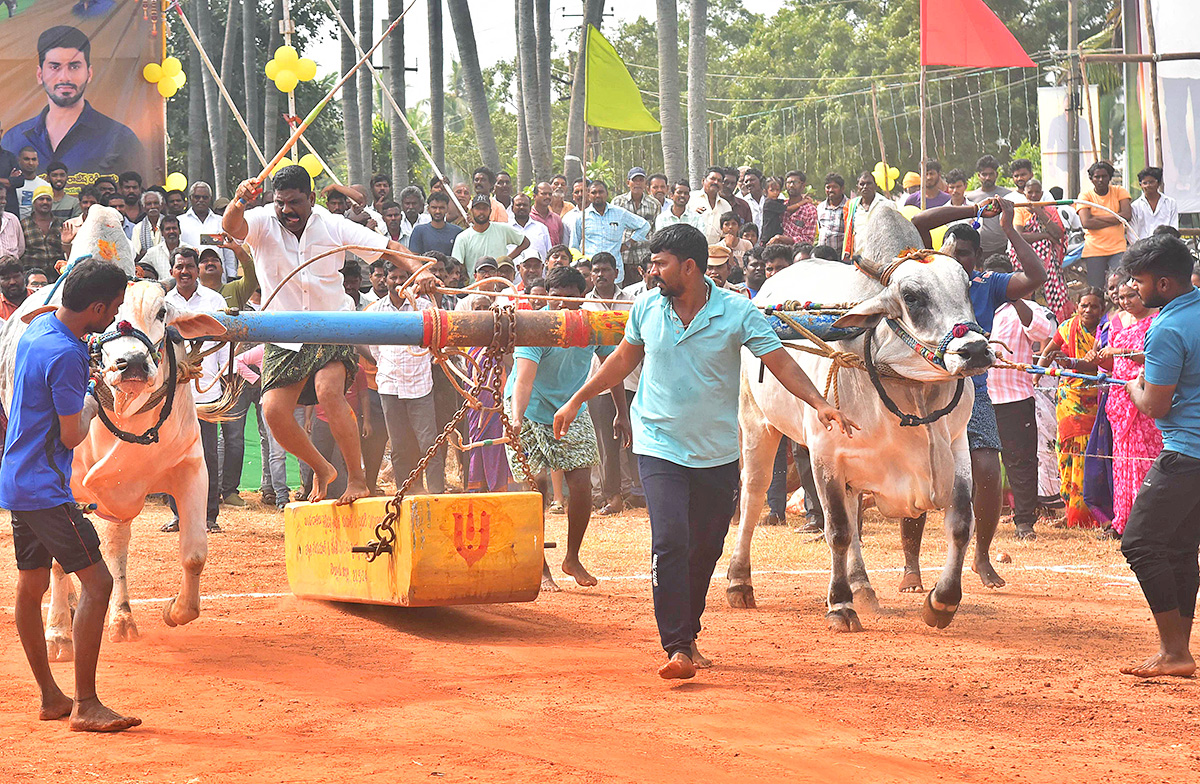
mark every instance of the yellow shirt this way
{"type": "Point", "coordinates": [1111, 239]}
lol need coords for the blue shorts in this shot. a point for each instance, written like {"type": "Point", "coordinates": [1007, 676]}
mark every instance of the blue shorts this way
{"type": "Point", "coordinates": [982, 431]}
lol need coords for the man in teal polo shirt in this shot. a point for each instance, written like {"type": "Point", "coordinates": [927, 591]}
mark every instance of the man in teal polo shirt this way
{"type": "Point", "coordinates": [690, 335]}
{"type": "Point", "coordinates": [1162, 537]}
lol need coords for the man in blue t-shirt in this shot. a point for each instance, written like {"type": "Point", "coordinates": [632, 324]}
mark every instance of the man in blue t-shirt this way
{"type": "Point", "coordinates": [989, 290]}
{"type": "Point", "coordinates": [543, 379]}
{"type": "Point", "coordinates": [49, 416]}
{"type": "Point", "coordinates": [690, 334]}
{"type": "Point", "coordinates": [437, 234]}
{"type": "Point", "coordinates": [1162, 537]}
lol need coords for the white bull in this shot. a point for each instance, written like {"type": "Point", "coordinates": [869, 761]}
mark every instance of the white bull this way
{"type": "Point", "coordinates": [117, 475]}
{"type": "Point", "coordinates": [911, 469]}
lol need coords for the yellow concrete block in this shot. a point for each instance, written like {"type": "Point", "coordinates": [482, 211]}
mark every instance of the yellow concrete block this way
{"type": "Point", "coordinates": [474, 548]}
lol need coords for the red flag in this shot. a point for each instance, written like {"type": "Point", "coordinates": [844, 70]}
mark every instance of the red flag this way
{"type": "Point", "coordinates": [967, 32]}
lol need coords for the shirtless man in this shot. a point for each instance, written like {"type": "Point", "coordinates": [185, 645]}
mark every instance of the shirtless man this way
{"type": "Point", "coordinates": [284, 236]}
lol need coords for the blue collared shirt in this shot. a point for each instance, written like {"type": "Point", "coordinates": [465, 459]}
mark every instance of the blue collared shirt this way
{"type": "Point", "coordinates": [606, 231]}
{"type": "Point", "coordinates": [989, 290]}
{"type": "Point", "coordinates": [95, 143]}
{"type": "Point", "coordinates": [686, 406]}
{"type": "Point", "coordinates": [1173, 357]}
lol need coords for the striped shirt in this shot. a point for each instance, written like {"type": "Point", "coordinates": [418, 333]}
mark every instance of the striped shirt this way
{"type": "Point", "coordinates": [1006, 385]}
{"type": "Point", "coordinates": [606, 232]}
{"type": "Point", "coordinates": [401, 372]}
{"type": "Point", "coordinates": [649, 209]}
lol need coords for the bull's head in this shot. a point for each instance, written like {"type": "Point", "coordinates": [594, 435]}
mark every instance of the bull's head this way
{"type": "Point", "coordinates": [925, 297]}
{"type": "Point", "coordinates": [133, 367]}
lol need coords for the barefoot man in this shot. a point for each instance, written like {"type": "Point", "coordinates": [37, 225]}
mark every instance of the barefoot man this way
{"type": "Point", "coordinates": [690, 334]}
{"type": "Point", "coordinates": [1162, 536]}
{"type": "Point", "coordinates": [543, 379]}
{"type": "Point", "coordinates": [49, 416]}
{"type": "Point", "coordinates": [282, 237]}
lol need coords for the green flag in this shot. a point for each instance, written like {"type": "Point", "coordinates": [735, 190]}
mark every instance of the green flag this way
{"type": "Point", "coordinates": [612, 97]}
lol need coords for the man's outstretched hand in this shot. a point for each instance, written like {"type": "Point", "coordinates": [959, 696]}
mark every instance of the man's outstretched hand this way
{"type": "Point", "coordinates": [564, 417]}
{"type": "Point", "coordinates": [828, 415]}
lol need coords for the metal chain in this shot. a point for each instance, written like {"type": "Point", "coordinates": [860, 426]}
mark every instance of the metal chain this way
{"type": "Point", "coordinates": [503, 341]}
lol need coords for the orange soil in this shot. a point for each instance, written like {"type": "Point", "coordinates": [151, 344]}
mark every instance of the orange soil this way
{"type": "Point", "coordinates": [1023, 686]}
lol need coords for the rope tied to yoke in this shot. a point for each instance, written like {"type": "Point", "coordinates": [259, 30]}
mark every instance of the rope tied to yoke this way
{"type": "Point", "coordinates": [838, 359]}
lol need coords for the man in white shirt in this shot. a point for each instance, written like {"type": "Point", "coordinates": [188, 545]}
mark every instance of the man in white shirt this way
{"type": "Point", "coordinates": [200, 219]}
{"type": "Point", "coordinates": [676, 210]}
{"type": "Point", "coordinates": [292, 233]}
{"type": "Point", "coordinates": [405, 383]}
{"type": "Point", "coordinates": [754, 193]}
{"type": "Point", "coordinates": [534, 231]}
{"type": "Point", "coordinates": [189, 295]}
{"type": "Point", "coordinates": [1153, 208]}
{"type": "Point", "coordinates": [1018, 325]}
{"type": "Point", "coordinates": [707, 206]}
{"type": "Point", "coordinates": [27, 161]}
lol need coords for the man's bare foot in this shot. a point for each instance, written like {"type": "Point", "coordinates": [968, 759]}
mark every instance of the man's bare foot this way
{"type": "Point", "coordinates": [988, 574]}
{"type": "Point", "coordinates": [678, 667]}
{"type": "Point", "coordinates": [323, 476]}
{"type": "Point", "coordinates": [55, 706]}
{"type": "Point", "coordinates": [911, 581]}
{"type": "Point", "coordinates": [572, 567]}
{"type": "Point", "coordinates": [1162, 664]}
{"type": "Point", "coordinates": [356, 487]}
{"type": "Point", "coordinates": [699, 659]}
{"type": "Point", "coordinates": [548, 584]}
{"type": "Point", "coordinates": [91, 716]}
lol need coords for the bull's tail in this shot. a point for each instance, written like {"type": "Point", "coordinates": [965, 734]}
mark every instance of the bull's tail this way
{"type": "Point", "coordinates": [221, 409]}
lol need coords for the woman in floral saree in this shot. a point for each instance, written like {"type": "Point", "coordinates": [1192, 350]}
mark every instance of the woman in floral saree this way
{"type": "Point", "coordinates": [1077, 401]}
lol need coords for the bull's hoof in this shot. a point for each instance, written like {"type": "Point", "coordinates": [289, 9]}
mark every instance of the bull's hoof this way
{"type": "Point", "coordinates": [843, 620]}
{"type": "Point", "coordinates": [121, 628]}
{"type": "Point", "coordinates": [864, 596]}
{"type": "Point", "coordinates": [938, 619]}
{"type": "Point", "coordinates": [741, 597]}
{"type": "Point", "coordinates": [59, 647]}
{"type": "Point", "coordinates": [174, 615]}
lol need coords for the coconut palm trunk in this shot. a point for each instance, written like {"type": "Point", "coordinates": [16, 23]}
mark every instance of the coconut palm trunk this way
{"type": "Point", "coordinates": [697, 93]}
{"type": "Point", "coordinates": [352, 132]}
{"type": "Point", "coordinates": [464, 35]}
{"type": "Point", "coordinates": [271, 102]}
{"type": "Point", "coordinates": [252, 81]}
{"type": "Point", "coordinates": [437, 86]}
{"type": "Point", "coordinates": [366, 89]}
{"type": "Point", "coordinates": [593, 11]}
{"type": "Point", "coordinates": [212, 100]}
{"type": "Point", "coordinates": [395, 77]}
{"type": "Point", "coordinates": [530, 90]}
{"type": "Point", "coordinates": [674, 158]}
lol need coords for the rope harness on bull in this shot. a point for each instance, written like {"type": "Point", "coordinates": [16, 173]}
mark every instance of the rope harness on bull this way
{"type": "Point", "coordinates": [166, 392]}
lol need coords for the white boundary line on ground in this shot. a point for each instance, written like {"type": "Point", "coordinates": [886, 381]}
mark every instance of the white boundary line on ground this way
{"type": "Point", "coordinates": [1082, 570]}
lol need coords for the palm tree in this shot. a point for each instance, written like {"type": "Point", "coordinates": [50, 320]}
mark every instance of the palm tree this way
{"type": "Point", "coordinates": [541, 11]}
{"type": "Point", "coordinates": [221, 169]}
{"type": "Point", "coordinates": [593, 11]}
{"type": "Point", "coordinates": [524, 158]}
{"type": "Point", "coordinates": [674, 160]}
{"type": "Point", "coordinates": [529, 91]}
{"type": "Point", "coordinates": [366, 89]}
{"type": "Point", "coordinates": [352, 132]}
{"type": "Point", "coordinates": [697, 96]}
{"type": "Point", "coordinates": [271, 102]}
{"type": "Point", "coordinates": [197, 127]}
{"type": "Point", "coordinates": [437, 86]}
{"type": "Point", "coordinates": [395, 45]}
{"type": "Point", "coordinates": [251, 80]}
{"type": "Point", "coordinates": [212, 101]}
{"type": "Point", "coordinates": [464, 35]}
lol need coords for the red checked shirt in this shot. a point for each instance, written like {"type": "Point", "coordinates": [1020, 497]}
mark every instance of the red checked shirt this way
{"type": "Point", "coordinates": [801, 225]}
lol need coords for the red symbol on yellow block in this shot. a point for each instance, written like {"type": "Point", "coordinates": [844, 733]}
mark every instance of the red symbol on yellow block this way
{"type": "Point", "coordinates": [471, 539]}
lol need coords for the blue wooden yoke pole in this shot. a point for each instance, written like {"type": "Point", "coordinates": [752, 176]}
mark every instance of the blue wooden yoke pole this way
{"type": "Point", "coordinates": [465, 328]}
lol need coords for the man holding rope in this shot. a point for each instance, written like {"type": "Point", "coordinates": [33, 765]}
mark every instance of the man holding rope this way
{"type": "Point", "coordinates": [295, 237]}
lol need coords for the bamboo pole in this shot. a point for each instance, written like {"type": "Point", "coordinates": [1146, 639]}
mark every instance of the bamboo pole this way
{"type": "Point", "coordinates": [879, 135]}
{"type": "Point", "coordinates": [1154, 108]}
{"type": "Point", "coordinates": [1087, 101]}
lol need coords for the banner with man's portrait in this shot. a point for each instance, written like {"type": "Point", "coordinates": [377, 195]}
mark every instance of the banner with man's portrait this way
{"type": "Point", "coordinates": [74, 90]}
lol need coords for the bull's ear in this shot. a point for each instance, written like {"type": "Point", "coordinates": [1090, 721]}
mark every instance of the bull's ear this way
{"type": "Point", "coordinates": [870, 312]}
{"type": "Point", "coordinates": [196, 325]}
{"type": "Point", "coordinates": [31, 315]}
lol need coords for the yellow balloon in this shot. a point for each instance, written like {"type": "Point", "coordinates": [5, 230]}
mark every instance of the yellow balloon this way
{"type": "Point", "coordinates": [286, 81]}
{"type": "Point", "coordinates": [180, 79]}
{"type": "Point", "coordinates": [305, 70]}
{"type": "Point", "coordinates": [272, 69]}
{"type": "Point", "coordinates": [286, 55]}
{"type": "Point", "coordinates": [152, 73]}
{"type": "Point", "coordinates": [167, 88]}
{"type": "Point", "coordinates": [171, 66]}
{"type": "Point", "coordinates": [176, 182]}
{"type": "Point", "coordinates": [311, 164]}
{"type": "Point", "coordinates": [909, 210]}
{"type": "Point", "coordinates": [281, 164]}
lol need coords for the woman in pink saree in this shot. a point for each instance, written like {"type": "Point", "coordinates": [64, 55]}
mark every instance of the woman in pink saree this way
{"type": "Point", "coordinates": [1136, 440]}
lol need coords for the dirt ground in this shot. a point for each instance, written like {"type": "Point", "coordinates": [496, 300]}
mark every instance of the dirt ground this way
{"type": "Point", "coordinates": [264, 687]}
